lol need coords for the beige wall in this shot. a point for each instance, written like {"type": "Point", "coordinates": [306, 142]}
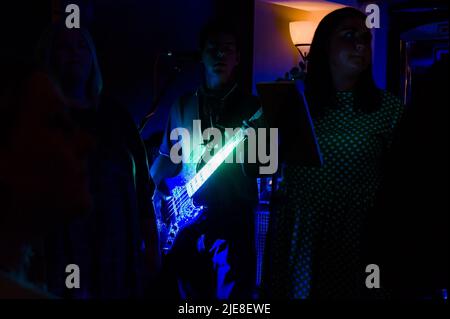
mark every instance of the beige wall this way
{"type": "Point", "coordinates": [274, 52]}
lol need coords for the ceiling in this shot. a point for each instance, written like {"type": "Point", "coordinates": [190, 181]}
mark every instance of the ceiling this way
{"type": "Point", "coordinates": [318, 5]}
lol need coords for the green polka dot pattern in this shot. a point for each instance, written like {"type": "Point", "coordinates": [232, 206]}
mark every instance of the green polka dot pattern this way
{"type": "Point", "coordinates": [319, 223]}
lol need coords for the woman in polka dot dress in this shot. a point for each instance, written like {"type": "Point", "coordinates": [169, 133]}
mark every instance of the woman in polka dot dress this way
{"type": "Point", "coordinates": [315, 237]}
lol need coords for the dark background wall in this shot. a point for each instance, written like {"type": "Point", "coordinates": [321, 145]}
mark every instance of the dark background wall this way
{"type": "Point", "coordinates": [129, 35]}
{"type": "Point", "coordinates": [21, 23]}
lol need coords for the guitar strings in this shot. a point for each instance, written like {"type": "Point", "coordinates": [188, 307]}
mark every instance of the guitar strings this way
{"type": "Point", "coordinates": [183, 198]}
{"type": "Point", "coordinates": [185, 195]}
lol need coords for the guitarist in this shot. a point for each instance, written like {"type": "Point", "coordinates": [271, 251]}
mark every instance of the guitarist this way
{"type": "Point", "coordinates": [215, 257]}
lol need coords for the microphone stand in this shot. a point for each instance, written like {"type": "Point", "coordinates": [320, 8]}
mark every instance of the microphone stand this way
{"type": "Point", "coordinates": [154, 106]}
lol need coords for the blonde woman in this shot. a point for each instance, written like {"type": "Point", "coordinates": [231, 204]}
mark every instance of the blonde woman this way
{"type": "Point", "coordinates": [69, 56]}
{"type": "Point", "coordinates": [43, 181]}
{"type": "Point", "coordinates": [107, 244]}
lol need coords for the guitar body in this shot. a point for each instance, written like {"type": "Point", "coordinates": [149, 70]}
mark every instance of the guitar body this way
{"type": "Point", "coordinates": [179, 211]}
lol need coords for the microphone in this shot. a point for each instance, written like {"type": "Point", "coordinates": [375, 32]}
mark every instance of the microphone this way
{"type": "Point", "coordinates": [194, 56]}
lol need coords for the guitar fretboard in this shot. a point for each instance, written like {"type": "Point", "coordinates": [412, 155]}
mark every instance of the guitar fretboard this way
{"type": "Point", "coordinates": [210, 167]}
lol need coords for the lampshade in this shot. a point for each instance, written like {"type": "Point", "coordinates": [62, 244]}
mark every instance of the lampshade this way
{"type": "Point", "coordinates": [302, 32]}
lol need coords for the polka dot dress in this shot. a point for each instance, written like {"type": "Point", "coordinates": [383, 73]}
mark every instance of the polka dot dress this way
{"type": "Point", "coordinates": [316, 230]}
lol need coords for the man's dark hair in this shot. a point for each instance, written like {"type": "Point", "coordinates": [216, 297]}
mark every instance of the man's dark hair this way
{"type": "Point", "coordinates": [218, 26]}
{"type": "Point", "coordinates": [319, 86]}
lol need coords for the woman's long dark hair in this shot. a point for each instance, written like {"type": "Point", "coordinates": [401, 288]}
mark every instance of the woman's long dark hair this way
{"type": "Point", "coordinates": [319, 86]}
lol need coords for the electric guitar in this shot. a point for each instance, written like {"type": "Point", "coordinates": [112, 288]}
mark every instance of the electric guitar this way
{"type": "Point", "coordinates": [179, 210]}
